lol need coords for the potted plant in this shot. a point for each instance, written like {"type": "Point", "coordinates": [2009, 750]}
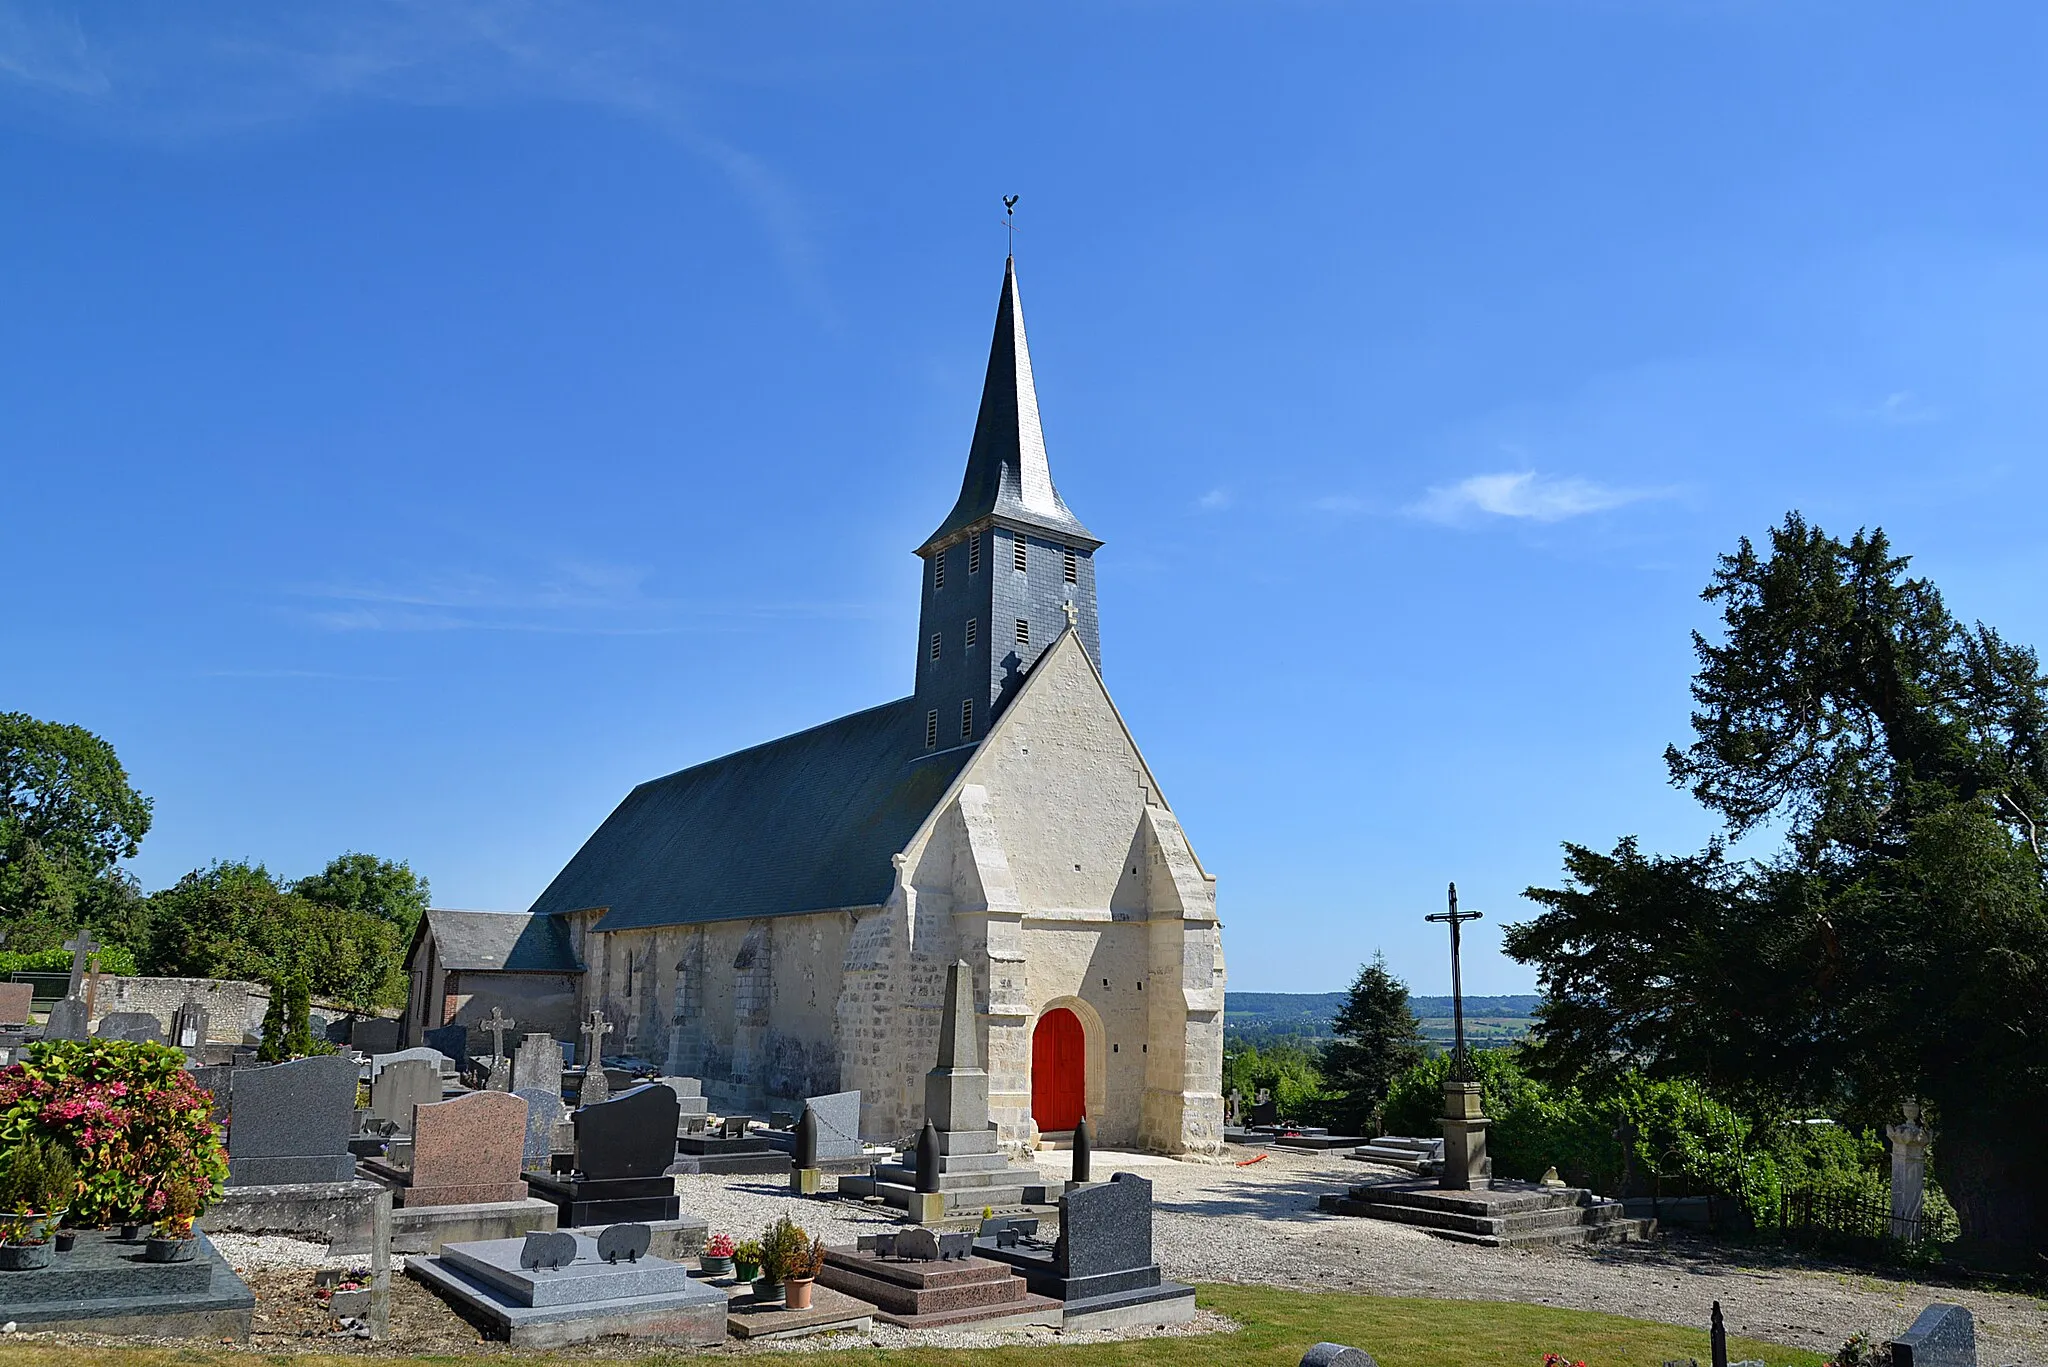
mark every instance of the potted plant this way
{"type": "Point", "coordinates": [716, 1259]}
{"type": "Point", "coordinates": [174, 1241]}
{"type": "Point", "coordinates": [797, 1290]}
{"type": "Point", "coordinates": [35, 1190]}
{"type": "Point", "coordinates": [784, 1249]}
{"type": "Point", "coordinates": [746, 1259]}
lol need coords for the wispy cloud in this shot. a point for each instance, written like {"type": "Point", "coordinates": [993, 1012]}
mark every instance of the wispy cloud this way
{"type": "Point", "coordinates": [1215, 501]}
{"type": "Point", "coordinates": [574, 598]}
{"type": "Point", "coordinates": [186, 73]}
{"type": "Point", "coordinates": [1899, 408]}
{"type": "Point", "coordinates": [1524, 495]}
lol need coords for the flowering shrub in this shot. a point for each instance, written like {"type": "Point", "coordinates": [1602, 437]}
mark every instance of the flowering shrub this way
{"type": "Point", "coordinates": [718, 1246]}
{"type": "Point", "coordinates": [131, 1118]}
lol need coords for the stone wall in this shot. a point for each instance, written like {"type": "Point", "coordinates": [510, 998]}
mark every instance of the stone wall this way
{"type": "Point", "coordinates": [234, 1010]}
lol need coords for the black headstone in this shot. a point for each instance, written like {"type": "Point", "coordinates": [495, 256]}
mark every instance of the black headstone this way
{"type": "Point", "coordinates": [1105, 1227]}
{"type": "Point", "coordinates": [137, 1027]}
{"type": "Point", "coordinates": [1944, 1336]}
{"type": "Point", "coordinates": [632, 1135]}
{"type": "Point", "coordinates": [374, 1035]}
{"type": "Point", "coordinates": [452, 1040]}
{"type": "Point", "coordinates": [547, 1249]}
{"type": "Point", "coordinates": [807, 1140]}
{"type": "Point", "coordinates": [928, 1159]}
{"type": "Point", "coordinates": [290, 1122]}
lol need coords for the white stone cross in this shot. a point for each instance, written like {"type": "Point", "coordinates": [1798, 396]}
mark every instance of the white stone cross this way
{"type": "Point", "coordinates": [82, 947]}
{"type": "Point", "coordinates": [594, 1031]}
{"type": "Point", "coordinates": [498, 1023]}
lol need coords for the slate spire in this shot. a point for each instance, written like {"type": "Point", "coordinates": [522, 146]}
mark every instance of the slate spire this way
{"type": "Point", "coordinates": [1008, 476]}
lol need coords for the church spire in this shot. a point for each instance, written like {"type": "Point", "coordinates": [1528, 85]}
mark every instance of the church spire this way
{"type": "Point", "coordinates": [1008, 477]}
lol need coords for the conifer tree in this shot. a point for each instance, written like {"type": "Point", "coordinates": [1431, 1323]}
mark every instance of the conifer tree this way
{"type": "Point", "coordinates": [1378, 1039]}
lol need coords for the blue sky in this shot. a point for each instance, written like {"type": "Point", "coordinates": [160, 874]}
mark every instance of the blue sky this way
{"type": "Point", "coordinates": [418, 424]}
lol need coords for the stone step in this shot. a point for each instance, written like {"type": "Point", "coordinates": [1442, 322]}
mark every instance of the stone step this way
{"type": "Point", "coordinates": [1495, 1203]}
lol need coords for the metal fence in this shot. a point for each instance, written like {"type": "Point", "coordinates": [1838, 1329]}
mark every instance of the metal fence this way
{"type": "Point", "coordinates": [1816, 1215]}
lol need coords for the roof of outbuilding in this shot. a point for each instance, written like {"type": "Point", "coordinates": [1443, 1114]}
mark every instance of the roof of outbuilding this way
{"type": "Point", "coordinates": [804, 823]}
{"type": "Point", "coordinates": [508, 941]}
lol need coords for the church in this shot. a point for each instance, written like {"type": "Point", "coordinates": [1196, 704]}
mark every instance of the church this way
{"type": "Point", "coordinates": [779, 922]}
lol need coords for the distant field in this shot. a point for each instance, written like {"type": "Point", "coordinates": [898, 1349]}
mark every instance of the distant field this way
{"type": "Point", "coordinates": [1488, 1020]}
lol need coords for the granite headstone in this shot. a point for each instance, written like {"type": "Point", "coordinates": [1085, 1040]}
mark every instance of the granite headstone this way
{"type": "Point", "coordinates": [468, 1150]}
{"type": "Point", "coordinates": [537, 1065]}
{"type": "Point", "coordinates": [16, 1000]}
{"type": "Point", "coordinates": [137, 1027]}
{"type": "Point", "coordinates": [374, 1035]}
{"type": "Point", "coordinates": [189, 1025]}
{"type": "Point", "coordinates": [290, 1122]}
{"type": "Point", "coordinates": [1105, 1227]}
{"type": "Point", "coordinates": [402, 1086]}
{"type": "Point", "coordinates": [543, 1113]}
{"type": "Point", "coordinates": [441, 1062]}
{"type": "Point", "coordinates": [631, 1135]}
{"type": "Point", "coordinates": [838, 1116]}
{"type": "Point", "coordinates": [67, 1021]}
{"type": "Point", "coordinates": [1943, 1336]}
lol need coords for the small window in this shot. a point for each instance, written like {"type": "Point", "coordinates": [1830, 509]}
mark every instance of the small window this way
{"type": "Point", "coordinates": [1072, 566]}
{"type": "Point", "coordinates": [966, 718]}
{"type": "Point", "coordinates": [931, 729]}
{"type": "Point", "coordinates": [974, 552]}
{"type": "Point", "coordinates": [1023, 631]}
{"type": "Point", "coordinates": [939, 570]}
{"type": "Point", "coordinates": [935, 645]}
{"type": "Point", "coordinates": [973, 631]}
{"type": "Point", "coordinates": [1023, 553]}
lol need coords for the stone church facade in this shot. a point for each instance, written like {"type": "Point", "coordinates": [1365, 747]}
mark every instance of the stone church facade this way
{"type": "Point", "coordinates": [779, 922]}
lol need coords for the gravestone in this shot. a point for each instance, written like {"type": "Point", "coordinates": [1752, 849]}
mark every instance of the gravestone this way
{"type": "Point", "coordinates": [1100, 1268]}
{"type": "Point", "coordinates": [1943, 1336]}
{"type": "Point", "coordinates": [16, 1000]}
{"type": "Point", "coordinates": [623, 1148]}
{"type": "Point", "coordinates": [442, 1063]}
{"type": "Point", "coordinates": [543, 1113]}
{"type": "Point", "coordinates": [451, 1041]}
{"type": "Point", "coordinates": [374, 1035]}
{"type": "Point", "coordinates": [468, 1151]}
{"type": "Point", "coordinates": [838, 1116]}
{"type": "Point", "coordinates": [399, 1088]}
{"type": "Point", "coordinates": [137, 1027]}
{"type": "Point", "coordinates": [67, 1021]}
{"type": "Point", "coordinates": [692, 1110]}
{"type": "Point", "coordinates": [572, 1298]}
{"type": "Point", "coordinates": [537, 1065]}
{"type": "Point", "coordinates": [215, 1080]}
{"type": "Point", "coordinates": [1337, 1355]}
{"type": "Point", "coordinates": [290, 1122]}
{"type": "Point", "coordinates": [595, 1087]}
{"type": "Point", "coordinates": [188, 1027]}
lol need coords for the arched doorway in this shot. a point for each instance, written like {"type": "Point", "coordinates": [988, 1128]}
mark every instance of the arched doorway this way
{"type": "Point", "coordinates": [1059, 1071]}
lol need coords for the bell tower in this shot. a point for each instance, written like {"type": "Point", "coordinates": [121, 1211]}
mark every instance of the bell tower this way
{"type": "Point", "coordinates": [1010, 568]}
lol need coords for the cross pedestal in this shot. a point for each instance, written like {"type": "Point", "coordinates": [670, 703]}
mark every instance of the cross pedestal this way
{"type": "Point", "coordinates": [1465, 1162]}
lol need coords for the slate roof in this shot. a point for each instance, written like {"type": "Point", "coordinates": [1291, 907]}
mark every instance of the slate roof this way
{"type": "Point", "coordinates": [804, 823]}
{"type": "Point", "coordinates": [508, 941]}
{"type": "Point", "coordinates": [1007, 473]}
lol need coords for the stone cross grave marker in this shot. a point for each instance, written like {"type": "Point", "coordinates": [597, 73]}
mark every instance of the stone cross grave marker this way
{"type": "Point", "coordinates": [468, 1150]}
{"type": "Point", "coordinates": [498, 1023]}
{"type": "Point", "coordinates": [596, 1087]}
{"type": "Point", "coordinates": [290, 1122]}
{"type": "Point", "coordinates": [82, 947]}
{"type": "Point", "coordinates": [543, 1113]}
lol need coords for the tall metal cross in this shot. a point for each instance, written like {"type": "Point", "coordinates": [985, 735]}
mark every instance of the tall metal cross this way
{"type": "Point", "coordinates": [82, 947]}
{"type": "Point", "coordinates": [1459, 1065]}
{"type": "Point", "coordinates": [498, 1023]}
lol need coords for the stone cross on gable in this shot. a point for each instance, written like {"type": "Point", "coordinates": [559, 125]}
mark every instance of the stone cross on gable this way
{"type": "Point", "coordinates": [498, 1023]}
{"type": "Point", "coordinates": [82, 947]}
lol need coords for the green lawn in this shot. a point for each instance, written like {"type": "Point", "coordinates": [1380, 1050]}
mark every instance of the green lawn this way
{"type": "Point", "coordinates": [1278, 1327]}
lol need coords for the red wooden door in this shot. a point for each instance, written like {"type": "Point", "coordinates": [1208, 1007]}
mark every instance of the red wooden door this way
{"type": "Point", "coordinates": [1059, 1071]}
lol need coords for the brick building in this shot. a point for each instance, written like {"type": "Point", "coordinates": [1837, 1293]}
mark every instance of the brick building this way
{"type": "Point", "coordinates": [779, 922]}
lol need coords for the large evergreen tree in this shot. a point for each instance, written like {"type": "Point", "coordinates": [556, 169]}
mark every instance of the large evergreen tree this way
{"type": "Point", "coordinates": [1892, 939]}
{"type": "Point", "coordinates": [1377, 1039]}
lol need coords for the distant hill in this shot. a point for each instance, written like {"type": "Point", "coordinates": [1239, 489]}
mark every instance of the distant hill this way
{"type": "Point", "coordinates": [1261, 1015]}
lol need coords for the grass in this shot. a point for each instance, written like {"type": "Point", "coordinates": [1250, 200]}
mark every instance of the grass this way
{"type": "Point", "coordinates": [1278, 1327]}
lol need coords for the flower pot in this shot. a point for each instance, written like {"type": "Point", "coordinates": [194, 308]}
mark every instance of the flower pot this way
{"type": "Point", "coordinates": [169, 1250]}
{"type": "Point", "coordinates": [796, 1293]}
{"type": "Point", "coordinates": [715, 1266]}
{"type": "Point", "coordinates": [766, 1291]}
{"type": "Point", "coordinates": [23, 1257]}
{"type": "Point", "coordinates": [67, 1241]}
{"type": "Point", "coordinates": [743, 1270]}
{"type": "Point", "coordinates": [130, 1233]}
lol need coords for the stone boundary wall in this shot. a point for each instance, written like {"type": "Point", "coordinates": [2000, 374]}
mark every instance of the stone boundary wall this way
{"type": "Point", "coordinates": [234, 1010]}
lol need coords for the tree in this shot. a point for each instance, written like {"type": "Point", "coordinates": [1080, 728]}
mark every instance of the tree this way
{"type": "Point", "coordinates": [68, 815]}
{"type": "Point", "coordinates": [391, 892]}
{"type": "Point", "coordinates": [1377, 1039]}
{"type": "Point", "coordinates": [1894, 941]}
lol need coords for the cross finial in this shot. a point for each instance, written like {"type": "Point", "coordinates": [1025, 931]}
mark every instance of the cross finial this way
{"type": "Point", "coordinates": [1010, 219]}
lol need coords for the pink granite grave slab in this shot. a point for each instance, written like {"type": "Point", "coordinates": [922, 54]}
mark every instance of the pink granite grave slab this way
{"type": "Point", "coordinates": [468, 1150]}
{"type": "Point", "coordinates": [14, 1002]}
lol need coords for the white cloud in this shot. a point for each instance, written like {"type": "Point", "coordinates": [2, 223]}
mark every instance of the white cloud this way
{"type": "Point", "coordinates": [1215, 500]}
{"type": "Point", "coordinates": [1524, 494]}
{"type": "Point", "coordinates": [1901, 407]}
